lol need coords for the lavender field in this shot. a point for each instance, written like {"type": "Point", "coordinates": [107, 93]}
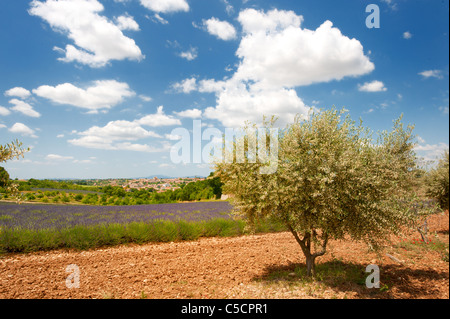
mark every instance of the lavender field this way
{"type": "Point", "coordinates": [36, 227]}
{"type": "Point", "coordinates": [38, 216]}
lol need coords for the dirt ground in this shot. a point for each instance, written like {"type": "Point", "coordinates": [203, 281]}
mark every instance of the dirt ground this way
{"type": "Point", "coordinates": [253, 266]}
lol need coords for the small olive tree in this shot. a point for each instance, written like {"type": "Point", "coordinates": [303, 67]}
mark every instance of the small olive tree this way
{"type": "Point", "coordinates": [437, 182]}
{"type": "Point", "coordinates": [332, 180]}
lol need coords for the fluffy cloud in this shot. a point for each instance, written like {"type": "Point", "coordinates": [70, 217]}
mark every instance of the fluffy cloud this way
{"type": "Point", "coordinates": [374, 86]}
{"type": "Point", "coordinates": [101, 95]}
{"type": "Point", "coordinates": [190, 54]}
{"type": "Point", "coordinates": [158, 119]}
{"type": "Point", "coordinates": [221, 29]}
{"type": "Point", "coordinates": [120, 135]}
{"type": "Point", "coordinates": [120, 130]}
{"type": "Point", "coordinates": [431, 74]}
{"type": "Point", "coordinates": [97, 39]}
{"type": "Point", "coordinates": [20, 128]}
{"type": "Point", "coordinates": [19, 92]}
{"type": "Point", "coordinates": [235, 105]}
{"type": "Point", "coordinates": [127, 23]}
{"type": "Point", "coordinates": [4, 111]}
{"type": "Point", "coordinates": [186, 86]}
{"type": "Point", "coordinates": [211, 86]}
{"type": "Point", "coordinates": [276, 52]}
{"type": "Point", "coordinates": [116, 135]}
{"type": "Point", "coordinates": [254, 21]}
{"type": "Point", "coordinates": [192, 113]}
{"type": "Point", "coordinates": [276, 55]}
{"type": "Point", "coordinates": [24, 108]}
{"type": "Point", "coordinates": [407, 35]}
{"type": "Point", "coordinates": [165, 6]}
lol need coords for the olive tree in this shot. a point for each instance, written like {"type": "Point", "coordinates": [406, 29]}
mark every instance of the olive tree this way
{"type": "Point", "coordinates": [332, 181]}
{"type": "Point", "coordinates": [437, 182]}
{"type": "Point", "coordinates": [7, 152]}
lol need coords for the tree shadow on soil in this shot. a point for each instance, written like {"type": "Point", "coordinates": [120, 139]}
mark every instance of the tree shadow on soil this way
{"type": "Point", "coordinates": [396, 281]}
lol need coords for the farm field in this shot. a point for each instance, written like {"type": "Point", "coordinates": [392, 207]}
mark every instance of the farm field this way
{"type": "Point", "coordinates": [252, 266]}
{"type": "Point", "coordinates": [42, 216]}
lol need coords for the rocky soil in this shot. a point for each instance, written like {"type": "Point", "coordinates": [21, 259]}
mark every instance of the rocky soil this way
{"type": "Point", "coordinates": [253, 266]}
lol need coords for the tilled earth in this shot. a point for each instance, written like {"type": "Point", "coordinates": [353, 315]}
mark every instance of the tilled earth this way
{"type": "Point", "coordinates": [252, 266]}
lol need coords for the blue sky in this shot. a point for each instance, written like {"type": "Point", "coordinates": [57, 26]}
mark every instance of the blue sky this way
{"type": "Point", "coordinates": [95, 87]}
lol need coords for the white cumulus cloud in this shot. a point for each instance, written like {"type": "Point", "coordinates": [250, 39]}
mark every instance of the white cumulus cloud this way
{"type": "Point", "coordinates": [276, 55]}
{"type": "Point", "coordinates": [186, 86]}
{"type": "Point", "coordinates": [221, 29]}
{"type": "Point", "coordinates": [20, 128]}
{"type": "Point", "coordinates": [191, 113]}
{"type": "Point", "coordinates": [119, 130]}
{"type": "Point", "coordinates": [190, 54]}
{"type": "Point", "coordinates": [235, 105]}
{"type": "Point", "coordinates": [374, 86]}
{"type": "Point", "coordinates": [4, 111]}
{"type": "Point", "coordinates": [116, 135]}
{"type": "Point", "coordinates": [158, 119]}
{"type": "Point", "coordinates": [165, 6]}
{"type": "Point", "coordinates": [97, 40]}
{"type": "Point", "coordinates": [127, 22]}
{"type": "Point", "coordinates": [101, 95]}
{"type": "Point", "coordinates": [276, 52]}
{"type": "Point", "coordinates": [24, 108]}
{"type": "Point", "coordinates": [19, 92]}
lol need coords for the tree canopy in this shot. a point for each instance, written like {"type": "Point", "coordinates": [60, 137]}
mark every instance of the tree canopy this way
{"type": "Point", "coordinates": [4, 177]}
{"type": "Point", "coordinates": [7, 152]}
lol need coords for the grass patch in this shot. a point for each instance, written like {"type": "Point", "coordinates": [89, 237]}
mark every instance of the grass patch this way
{"type": "Point", "coordinates": [23, 240]}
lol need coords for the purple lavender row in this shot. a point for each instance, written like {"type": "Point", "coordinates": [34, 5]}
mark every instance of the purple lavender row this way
{"type": "Point", "coordinates": [38, 216]}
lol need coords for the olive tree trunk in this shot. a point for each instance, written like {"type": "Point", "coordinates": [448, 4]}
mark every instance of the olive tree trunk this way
{"type": "Point", "coordinates": [305, 245]}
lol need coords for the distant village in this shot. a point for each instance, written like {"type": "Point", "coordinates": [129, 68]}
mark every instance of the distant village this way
{"type": "Point", "coordinates": [157, 184]}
